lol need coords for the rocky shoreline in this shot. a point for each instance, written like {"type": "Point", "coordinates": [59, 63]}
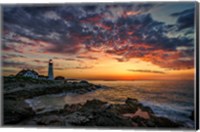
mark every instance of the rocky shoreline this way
{"type": "Point", "coordinates": [18, 89]}
{"type": "Point", "coordinates": [94, 113]}
{"type": "Point", "coordinates": [22, 88]}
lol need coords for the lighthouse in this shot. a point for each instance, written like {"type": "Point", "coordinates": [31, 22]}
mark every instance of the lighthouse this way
{"type": "Point", "coordinates": [50, 70]}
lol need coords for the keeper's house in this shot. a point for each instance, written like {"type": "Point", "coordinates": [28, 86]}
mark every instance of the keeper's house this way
{"type": "Point", "coordinates": [28, 73]}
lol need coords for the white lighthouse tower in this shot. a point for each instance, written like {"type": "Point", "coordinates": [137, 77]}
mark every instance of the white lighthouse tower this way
{"type": "Point", "coordinates": [50, 70]}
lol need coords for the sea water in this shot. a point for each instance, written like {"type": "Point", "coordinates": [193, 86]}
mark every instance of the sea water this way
{"type": "Point", "coordinates": [171, 99]}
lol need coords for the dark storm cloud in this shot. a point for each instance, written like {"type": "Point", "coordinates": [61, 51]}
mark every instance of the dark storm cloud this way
{"type": "Point", "coordinates": [185, 19]}
{"type": "Point", "coordinates": [90, 7]}
{"type": "Point", "coordinates": [141, 7]}
{"type": "Point", "coordinates": [127, 30]}
{"type": "Point", "coordinates": [30, 22]}
{"type": "Point", "coordinates": [147, 30]}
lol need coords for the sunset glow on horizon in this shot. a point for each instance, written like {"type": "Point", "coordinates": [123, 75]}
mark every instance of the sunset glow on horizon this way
{"type": "Point", "coordinates": [101, 41]}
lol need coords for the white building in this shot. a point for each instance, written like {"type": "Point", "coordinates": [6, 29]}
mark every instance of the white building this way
{"type": "Point", "coordinates": [28, 73]}
{"type": "Point", "coordinates": [34, 74]}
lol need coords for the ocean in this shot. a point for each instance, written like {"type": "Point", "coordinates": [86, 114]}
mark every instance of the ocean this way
{"type": "Point", "coordinates": [171, 99]}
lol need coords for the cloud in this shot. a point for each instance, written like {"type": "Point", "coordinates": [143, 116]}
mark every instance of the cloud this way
{"type": "Point", "coordinates": [34, 22]}
{"type": "Point", "coordinates": [146, 71]}
{"type": "Point", "coordinates": [40, 61]}
{"type": "Point", "coordinates": [121, 59]}
{"type": "Point", "coordinates": [69, 59]}
{"type": "Point", "coordinates": [22, 65]}
{"type": "Point", "coordinates": [185, 19]}
{"type": "Point", "coordinates": [11, 56]}
{"type": "Point", "coordinates": [123, 30]}
{"type": "Point", "coordinates": [14, 64]}
{"type": "Point", "coordinates": [87, 57]}
{"type": "Point", "coordinates": [83, 67]}
{"type": "Point", "coordinates": [64, 58]}
{"type": "Point", "coordinates": [76, 67]}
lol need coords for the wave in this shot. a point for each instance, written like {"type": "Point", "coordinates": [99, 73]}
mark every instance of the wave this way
{"type": "Point", "coordinates": [175, 113]}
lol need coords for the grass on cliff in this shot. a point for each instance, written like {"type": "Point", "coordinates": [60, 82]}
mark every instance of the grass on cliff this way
{"type": "Point", "coordinates": [15, 79]}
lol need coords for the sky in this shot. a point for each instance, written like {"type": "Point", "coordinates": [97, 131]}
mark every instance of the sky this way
{"type": "Point", "coordinates": [126, 41]}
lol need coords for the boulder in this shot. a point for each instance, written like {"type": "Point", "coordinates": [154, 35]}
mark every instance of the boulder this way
{"type": "Point", "coordinates": [164, 122]}
{"type": "Point", "coordinates": [139, 121]}
{"type": "Point", "coordinates": [72, 108]}
{"type": "Point", "coordinates": [51, 120]}
{"type": "Point", "coordinates": [84, 81]}
{"type": "Point", "coordinates": [16, 111]}
{"type": "Point", "coordinates": [98, 86]}
{"type": "Point", "coordinates": [78, 118]}
{"type": "Point", "coordinates": [96, 118]}
{"type": "Point", "coordinates": [122, 109]}
{"type": "Point", "coordinates": [93, 105]}
{"type": "Point", "coordinates": [133, 104]}
{"type": "Point", "coordinates": [109, 119]}
{"type": "Point", "coordinates": [147, 109]}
